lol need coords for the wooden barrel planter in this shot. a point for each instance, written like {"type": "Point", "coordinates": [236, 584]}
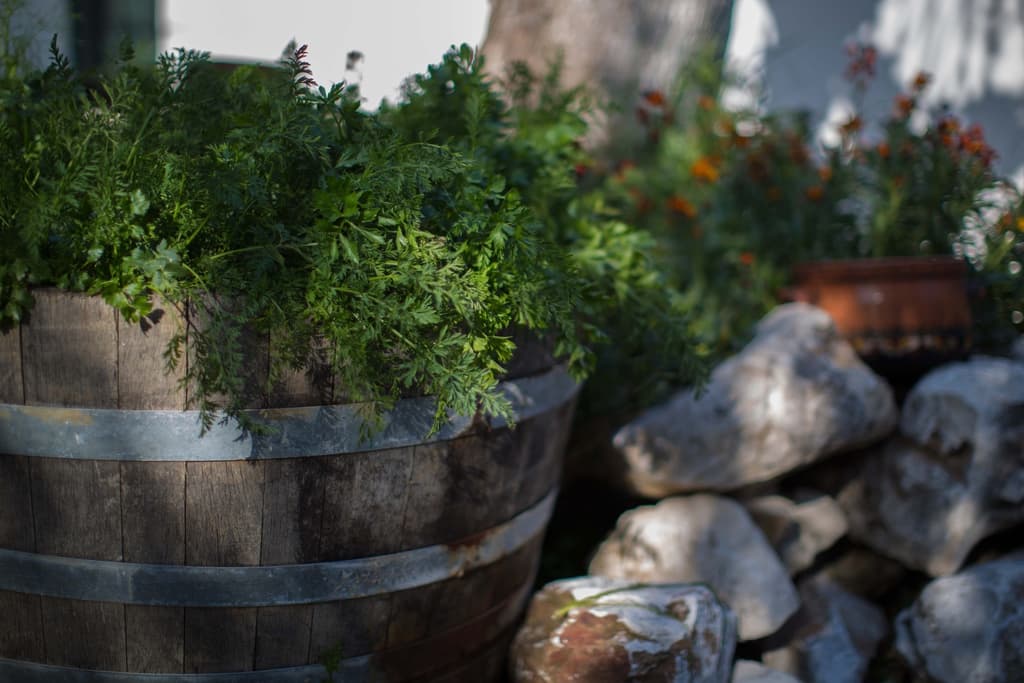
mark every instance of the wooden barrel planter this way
{"type": "Point", "coordinates": [902, 315]}
{"type": "Point", "coordinates": [129, 545]}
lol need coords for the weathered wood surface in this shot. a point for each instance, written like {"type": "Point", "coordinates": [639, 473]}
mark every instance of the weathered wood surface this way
{"type": "Point", "coordinates": [11, 388]}
{"type": "Point", "coordinates": [77, 513]}
{"type": "Point", "coordinates": [223, 527]}
{"type": "Point", "coordinates": [153, 527]}
{"type": "Point", "coordinates": [144, 380]}
{"type": "Point", "coordinates": [21, 632]}
{"type": "Point", "coordinates": [69, 351]}
{"type": "Point", "coordinates": [292, 512]}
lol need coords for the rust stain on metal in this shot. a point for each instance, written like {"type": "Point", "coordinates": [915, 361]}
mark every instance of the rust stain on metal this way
{"type": "Point", "coordinates": [469, 542]}
{"type": "Point", "coordinates": [63, 416]}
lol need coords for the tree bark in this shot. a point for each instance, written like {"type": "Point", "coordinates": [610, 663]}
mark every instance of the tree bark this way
{"type": "Point", "coordinates": [616, 48]}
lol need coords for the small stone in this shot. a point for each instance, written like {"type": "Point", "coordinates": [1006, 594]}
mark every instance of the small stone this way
{"type": "Point", "coordinates": [968, 627]}
{"type": "Point", "coordinates": [798, 531]}
{"type": "Point", "coordinates": [796, 394]}
{"type": "Point", "coordinates": [833, 637]}
{"type": "Point", "coordinates": [708, 539]}
{"type": "Point", "coordinates": [601, 630]}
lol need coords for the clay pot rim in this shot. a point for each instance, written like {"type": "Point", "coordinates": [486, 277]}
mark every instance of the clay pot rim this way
{"type": "Point", "coordinates": [889, 268]}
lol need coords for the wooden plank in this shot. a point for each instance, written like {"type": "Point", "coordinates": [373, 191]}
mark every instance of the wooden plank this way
{"type": "Point", "coordinates": [16, 530]}
{"type": "Point", "coordinates": [462, 487]}
{"type": "Point", "coordinates": [153, 520]}
{"type": "Point", "coordinates": [349, 628]}
{"type": "Point", "coordinates": [546, 438]}
{"type": "Point", "coordinates": [364, 503]}
{"type": "Point", "coordinates": [219, 639]}
{"type": "Point", "coordinates": [292, 509]}
{"type": "Point", "coordinates": [223, 527]}
{"type": "Point", "coordinates": [144, 382]}
{"type": "Point", "coordinates": [223, 513]}
{"type": "Point", "coordinates": [77, 508]}
{"type": "Point", "coordinates": [21, 628]}
{"type": "Point", "coordinates": [11, 388]}
{"type": "Point", "coordinates": [69, 351]}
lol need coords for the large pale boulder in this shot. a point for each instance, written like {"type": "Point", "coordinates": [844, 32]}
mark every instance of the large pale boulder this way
{"type": "Point", "coordinates": [833, 637]}
{"type": "Point", "coordinates": [599, 630]}
{"type": "Point", "coordinates": [956, 475]}
{"type": "Point", "coordinates": [968, 627]}
{"type": "Point", "coordinates": [798, 530]}
{"type": "Point", "coordinates": [707, 539]}
{"type": "Point", "coordinates": [795, 395]}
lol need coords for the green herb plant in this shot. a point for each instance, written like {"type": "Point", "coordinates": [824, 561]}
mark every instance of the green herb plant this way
{"type": "Point", "coordinates": [264, 206]}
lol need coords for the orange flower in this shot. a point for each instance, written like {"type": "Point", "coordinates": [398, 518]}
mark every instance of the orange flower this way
{"type": "Point", "coordinates": [825, 173]}
{"type": "Point", "coordinates": [706, 103]}
{"type": "Point", "coordinates": [921, 81]}
{"type": "Point", "coordinates": [851, 127]}
{"type": "Point", "coordinates": [883, 150]}
{"type": "Point", "coordinates": [1020, 224]}
{"type": "Point", "coordinates": [815, 192]}
{"type": "Point", "coordinates": [655, 98]}
{"type": "Point", "coordinates": [747, 258]}
{"type": "Point", "coordinates": [623, 168]}
{"type": "Point", "coordinates": [680, 205]}
{"type": "Point", "coordinates": [904, 106]}
{"type": "Point", "coordinates": [704, 169]}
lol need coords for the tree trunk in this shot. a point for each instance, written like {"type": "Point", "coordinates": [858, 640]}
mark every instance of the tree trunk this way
{"type": "Point", "coordinates": [617, 48]}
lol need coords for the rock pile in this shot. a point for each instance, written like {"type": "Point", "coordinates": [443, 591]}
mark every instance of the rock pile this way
{"type": "Point", "coordinates": [795, 495]}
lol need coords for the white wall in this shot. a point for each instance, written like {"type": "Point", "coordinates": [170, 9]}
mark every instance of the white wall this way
{"type": "Point", "coordinates": [397, 37]}
{"type": "Point", "coordinates": [974, 49]}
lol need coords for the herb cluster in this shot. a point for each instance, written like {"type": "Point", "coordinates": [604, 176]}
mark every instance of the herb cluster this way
{"type": "Point", "coordinates": [392, 251]}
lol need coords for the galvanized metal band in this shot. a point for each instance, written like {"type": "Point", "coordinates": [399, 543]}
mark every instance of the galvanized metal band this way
{"type": "Point", "coordinates": [31, 672]}
{"type": "Point", "coordinates": [296, 584]}
{"type": "Point", "coordinates": [171, 435]}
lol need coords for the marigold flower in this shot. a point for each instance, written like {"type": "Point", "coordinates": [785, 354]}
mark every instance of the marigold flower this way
{"type": "Point", "coordinates": [681, 205]}
{"type": "Point", "coordinates": [655, 98]}
{"type": "Point", "coordinates": [904, 106]}
{"type": "Point", "coordinates": [825, 173]}
{"type": "Point", "coordinates": [851, 127]}
{"type": "Point", "coordinates": [747, 258]}
{"type": "Point", "coordinates": [863, 58]}
{"type": "Point", "coordinates": [921, 81]}
{"type": "Point", "coordinates": [706, 102]}
{"type": "Point", "coordinates": [883, 150]}
{"type": "Point", "coordinates": [815, 192]}
{"type": "Point", "coordinates": [704, 169]}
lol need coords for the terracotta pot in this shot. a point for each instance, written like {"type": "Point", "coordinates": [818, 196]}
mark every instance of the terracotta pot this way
{"type": "Point", "coordinates": [910, 310]}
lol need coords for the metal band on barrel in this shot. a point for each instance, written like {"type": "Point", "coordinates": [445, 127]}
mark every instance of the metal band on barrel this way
{"type": "Point", "coordinates": [296, 584]}
{"type": "Point", "coordinates": [171, 435]}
